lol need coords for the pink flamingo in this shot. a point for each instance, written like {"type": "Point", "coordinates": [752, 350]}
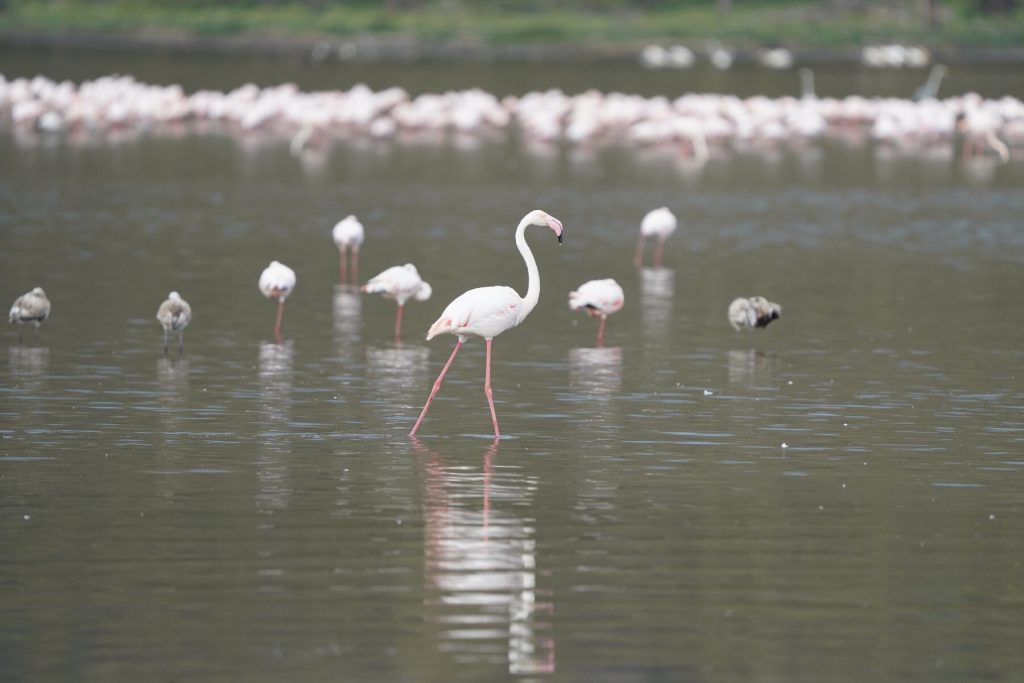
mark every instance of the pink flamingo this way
{"type": "Point", "coordinates": [660, 223]}
{"type": "Point", "coordinates": [277, 282]}
{"type": "Point", "coordinates": [488, 311]}
{"type": "Point", "coordinates": [600, 298]}
{"type": "Point", "coordinates": [348, 234]}
{"type": "Point", "coordinates": [399, 283]}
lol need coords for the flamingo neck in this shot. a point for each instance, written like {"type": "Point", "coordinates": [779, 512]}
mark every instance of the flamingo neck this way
{"type": "Point", "coordinates": [533, 288]}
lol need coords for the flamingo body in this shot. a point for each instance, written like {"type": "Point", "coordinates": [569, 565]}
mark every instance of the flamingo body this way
{"type": "Point", "coordinates": [400, 283]}
{"type": "Point", "coordinates": [752, 312]}
{"type": "Point", "coordinates": [488, 311]}
{"type": "Point", "coordinates": [31, 307]}
{"type": "Point", "coordinates": [174, 315]}
{"type": "Point", "coordinates": [348, 235]}
{"type": "Point", "coordinates": [277, 281]}
{"type": "Point", "coordinates": [658, 223]}
{"type": "Point", "coordinates": [600, 298]}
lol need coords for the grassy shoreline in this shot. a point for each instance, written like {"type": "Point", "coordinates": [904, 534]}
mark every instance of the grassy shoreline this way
{"type": "Point", "coordinates": [791, 25]}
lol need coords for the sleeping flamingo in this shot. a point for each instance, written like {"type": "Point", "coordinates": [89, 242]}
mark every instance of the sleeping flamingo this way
{"type": "Point", "coordinates": [751, 312]}
{"type": "Point", "coordinates": [488, 311]}
{"type": "Point", "coordinates": [399, 283]}
{"type": "Point", "coordinates": [277, 282]}
{"type": "Point", "coordinates": [31, 307]}
{"type": "Point", "coordinates": [600, 298]}
{"type": "Point", "coordinates": [348, 234]}
{"type": "Point", "coordinates": [659, 222]}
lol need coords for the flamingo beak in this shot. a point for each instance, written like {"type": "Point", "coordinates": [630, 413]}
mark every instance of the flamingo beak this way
{"type": "Point", "coordinates": [555, 225]}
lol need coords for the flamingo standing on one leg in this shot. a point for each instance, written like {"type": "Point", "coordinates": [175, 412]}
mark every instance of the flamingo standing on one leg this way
{"type": "Point", "coordinates": [751, 312]}
{"type": "Point", "coordinates": [348, 234]}
{"type": "Point", "coordinates": [660, 223]}
{"type": "Point", "coordinates": [174, 314]}
{"type": "Point", "coordinates": [600, 298]}
{"type": "Point", "coordinates": [488, 311]}
{"type": "Point", "coordinates": [277, 282]}
{"type": "Point", "coordinates": [400, 283]}
{"type": "Point", "coordinates": [31, 307]}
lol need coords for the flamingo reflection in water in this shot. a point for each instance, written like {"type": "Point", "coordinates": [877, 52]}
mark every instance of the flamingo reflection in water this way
{"type": "Point", "coordinates": [275, 375]}
{"type": "Point", "coordinates": [481, 563]}
{"type": "Point", "coordinates": [347, 315]}
{"type": "Point", "coordinates": [657, 286]}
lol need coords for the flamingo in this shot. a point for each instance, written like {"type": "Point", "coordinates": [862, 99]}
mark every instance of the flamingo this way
{"type": "Point", "coordinates": [174, 314]}
{"type": "Point", "coordinates": [277, 282]}
{"type": "Point", "coordinates": [348, 234]}
{"type": "Point", "coordinates": [399, 283]}
{"type": "Point", "coordinates": [660, 222]}
{"type": "Point", "coordinates": [751, 312]}
{"type": "Point", "coordinates": [488, 311]}
{"type": "Point", "coordinates": [600, 298]}
{"type": "Point", "coordinates": [31, 307]}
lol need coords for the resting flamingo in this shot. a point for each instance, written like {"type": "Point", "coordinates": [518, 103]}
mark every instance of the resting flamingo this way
{"type": "Point", "coordinates": [277, 282]}
{"type": "Point", "coordinates": [348, 234]}
{"type": "Point", "coordinates": [31, 307]}
{"type": "Point", "coordinates": [488, 311]}
{"type": "Point", "coordinates": [659, 222]}
{"type": "Point", "coordinates": [751, 312]}
{"type": "Point", "coordinates": [174, 315]}
{"type": "Point", "coordinates": [600, 298]}
{"type": "Point", "coordinates": [400, 283]}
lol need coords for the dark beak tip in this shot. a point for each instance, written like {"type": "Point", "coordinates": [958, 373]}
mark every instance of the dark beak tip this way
{"type": "Point", "coordinates": [559, 239]}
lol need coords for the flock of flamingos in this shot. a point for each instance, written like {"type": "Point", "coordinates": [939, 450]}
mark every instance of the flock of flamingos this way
{"type": "Point", "coordinates": [483, 312]}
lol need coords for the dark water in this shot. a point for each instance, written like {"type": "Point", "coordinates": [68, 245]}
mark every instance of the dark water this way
{"type": "Point", "coordinates": [837, 497]}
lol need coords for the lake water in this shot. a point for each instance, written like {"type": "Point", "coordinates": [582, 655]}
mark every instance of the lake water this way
{"type": "Point", "coordinates": [837, 497]}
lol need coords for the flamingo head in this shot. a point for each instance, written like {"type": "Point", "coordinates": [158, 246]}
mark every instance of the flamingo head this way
{"type": "Point", "coordinates": [538, 217]}
{"type": "Point", "coordinates": [174, 296]}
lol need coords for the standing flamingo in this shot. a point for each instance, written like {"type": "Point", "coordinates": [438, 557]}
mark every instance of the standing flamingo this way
{"type": "Point", "coordinates": [348, 234]}
{"type": "Point", "coordinates": [277, 282]}
{"type": "Point", "coordinates": [659, 222]}
{"type": "Point", "coordinates": [174, 314]}
{"type": "Point", "coordinates": [31, 307]}
{"type": "Point", "coordinates": [751, 312]}
{"type": "Point", "coordinates": [488, 311]}
{"type": "Point", "coordinates": [399, 283]}
{"type": "Point", "coordinates": [600, 298]}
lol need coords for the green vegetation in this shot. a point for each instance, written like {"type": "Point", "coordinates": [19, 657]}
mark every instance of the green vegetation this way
{"type": "Point", "coordinates": [835, 23]}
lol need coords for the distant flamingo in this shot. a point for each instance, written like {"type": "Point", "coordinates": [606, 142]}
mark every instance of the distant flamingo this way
{"type": "Point", "coordinates": [174, 314]}
{"type": "Point", "coordinates": [277, 282]}
{"type": "Point", "coordinates": [600, 298]}
{"type": "Point", "coordinates": [399, 283]}
{"type": "Point", "coordinates": [348, 234]}
{"type": "Point", "coordinates": [31, 307]}
{"type": "Point", "coordinates": [659, 222]}
{"type": "Point", "coordinates": [488, 311]}
{"type": "Point", "coordinates": [751, 312]}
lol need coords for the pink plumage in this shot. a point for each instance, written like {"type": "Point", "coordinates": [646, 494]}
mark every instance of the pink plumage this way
{"type": "Point", "coordinates": [488, 311]}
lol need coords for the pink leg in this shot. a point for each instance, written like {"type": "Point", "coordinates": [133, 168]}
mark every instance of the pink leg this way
{"type": "Point", "coordinates": [398, 322]}
{"type": "Point", "coordinates": [658, 252]}
{"type": "Point", "coordinates": [600, 331]}
{"type": "Point", "coordinates": [638, 255]}
{"type": "Point", "coordinates": [487, 390]}
{"type": "Point", "coordinates": [280, 317]}
{"type": "Point", "coordinates": [437, 387]}
{"type": "Point", "coordinates": [355, 264]}
{"type": "Point", "coordinates": [342, 265]}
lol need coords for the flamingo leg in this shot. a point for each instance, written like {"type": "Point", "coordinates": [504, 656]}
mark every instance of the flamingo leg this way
{"type": "Point", "coordinates": [398, 322]}
{"type": "Point", "coordinates": [638, 256]}
{"type": "Point", "coordinates": [21, 332]}
{"type": "Point", "coordinates": [165, 341]}
{"type": "Point", "coordinates": [280, 317]}
{"type": "Point", "coordinates": [355, 264]}
{"type": "Point", "coordinates": [658, 252]}
{"type": "Point", "coordinates": [600, 331]}
{"type": "Point", "coordinates": [487, 390]}
{"type": "Point", "coordinates": [342, 264]}
{"type": "Point", "coordinates": [437, 387]}
{"type": "Point", "coordinates": [181, 342]}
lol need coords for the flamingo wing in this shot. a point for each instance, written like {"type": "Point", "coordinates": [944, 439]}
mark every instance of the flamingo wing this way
{"type": "Point", "coordinates": [483, 312]}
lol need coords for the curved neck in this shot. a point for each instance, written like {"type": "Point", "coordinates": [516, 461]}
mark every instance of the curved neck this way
{"type": "Point", "coordinates": [533, 289]}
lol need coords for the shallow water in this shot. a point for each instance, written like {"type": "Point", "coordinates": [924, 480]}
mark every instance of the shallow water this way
{"type": "Point", "coordinates": [836, 497]}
